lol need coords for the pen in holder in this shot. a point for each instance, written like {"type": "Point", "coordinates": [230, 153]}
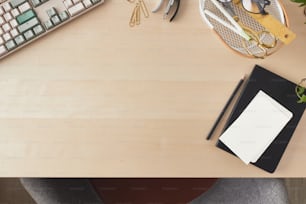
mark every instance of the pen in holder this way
{"type": "Point", "coordinates": [238, 28]}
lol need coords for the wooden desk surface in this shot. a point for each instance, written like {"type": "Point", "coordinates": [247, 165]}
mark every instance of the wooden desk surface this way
{"type": "Point", "coordinates": [99, 99]}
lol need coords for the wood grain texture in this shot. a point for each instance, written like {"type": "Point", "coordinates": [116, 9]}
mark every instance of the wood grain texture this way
{"type": "Point", "coordinates": [97, 98]}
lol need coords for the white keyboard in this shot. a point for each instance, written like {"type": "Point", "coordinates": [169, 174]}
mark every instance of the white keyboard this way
{"type": "Point", "coordinates": [23, 21]}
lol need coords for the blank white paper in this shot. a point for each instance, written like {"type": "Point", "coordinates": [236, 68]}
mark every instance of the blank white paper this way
{"type": "Point", "coordinates": [257, 126]}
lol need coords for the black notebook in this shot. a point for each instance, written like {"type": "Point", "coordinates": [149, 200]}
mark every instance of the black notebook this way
{"type": "Point", "coordinates": [282, 91]}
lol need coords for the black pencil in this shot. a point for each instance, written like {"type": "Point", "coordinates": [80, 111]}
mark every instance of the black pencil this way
{"type": "Point", "coordinates": [224, 109]}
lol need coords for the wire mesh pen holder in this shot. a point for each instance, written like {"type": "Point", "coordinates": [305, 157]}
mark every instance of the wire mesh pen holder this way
{"type": "Point", "coordinates": [224, 24]}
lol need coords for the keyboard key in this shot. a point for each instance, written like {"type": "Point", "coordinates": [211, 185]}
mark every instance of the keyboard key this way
{"type": "Point", "coordinates": [16, 3]}
{"type": "Point", "coordinates": [7, 37]}
{"type": "Point", "coordinates": [48, 24]}
{"type": "Point", "coordinates": [38, 29]}
{"type": "Point", "coordinates": [8, 17]}
{"type": "Point", "coordinates": [7, 7]}
{"type": "Point", "coordinates": [24, 7]}
{"type": "Point", "coordinates": [51, 12]}
{"type": "Point", "coordinates": [25, 16]}
{"type": "Point", "coordinates": [2, 21]}
{"type": "Point", "coordinates": [55, 20]}
{"type": "Point", "coordinates": [29, 35]}
{"type": "Point", "coordinates": [15, 12]}
{"type": "Point", "coordinates": [76, 9]}
{"type": "Point", "coordinates": [87, 3]}
{"type": "Point", "coordinates": [28, 25]}
{"type": "Point", "coordinates": [14, 32]}
{"type": "Point", "coordinates": [20, 22]}
{"type": "Point", "coordinates": [6, 27]}
{"type": "Point", "coordinates": [19, 39]}
{"type": "Point", "coordinates": [68, 3]}
{"type": "Point", "coordinates": [95, 1]}
{"type": "Point", "coordinates": [10, 45]}
{"type": "Point", "coordinates": [3, 50]}
{"type": "Point", "coordinates": [36, 2]}
{"type": "Point", "coordinates": [13, 23]}
{"type": "Point", "coordinates": [63, 16]}
{"type": "Point", "coordinates": [1, 11]}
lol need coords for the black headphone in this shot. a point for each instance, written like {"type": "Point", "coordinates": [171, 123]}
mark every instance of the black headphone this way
{"type": "Point", "coordinates": [300, 92]}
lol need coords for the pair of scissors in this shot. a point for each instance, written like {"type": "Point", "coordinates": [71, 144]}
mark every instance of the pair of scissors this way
{"type": "Point", "coordinates": [168, 8]}
{"type": "Point", "coordinates": [248, 34]}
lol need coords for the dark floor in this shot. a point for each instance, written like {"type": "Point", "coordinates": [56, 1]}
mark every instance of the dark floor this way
{"type": "Point", "coordinates": [297, 190]}
{"type": "Point", "coordinates": [11, 191]}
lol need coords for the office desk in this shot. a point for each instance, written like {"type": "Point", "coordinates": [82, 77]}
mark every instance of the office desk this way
{"type": "Point", "coordinates": [100, 99]}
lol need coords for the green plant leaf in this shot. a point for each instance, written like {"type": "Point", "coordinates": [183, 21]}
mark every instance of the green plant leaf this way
{"type": "Point", "coordinates": [299, 1]}
{"type": "Point", "coordinates": [302, 99]}
{"type": "Point", "coordinates": [300, 90]}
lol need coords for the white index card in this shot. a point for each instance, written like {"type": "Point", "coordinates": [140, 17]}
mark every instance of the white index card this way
{"type": "Point", "coordinates": [257, 126]}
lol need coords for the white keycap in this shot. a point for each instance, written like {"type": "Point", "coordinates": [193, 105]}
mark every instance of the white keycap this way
{"type": "Point", "coordinates": [19, 39]}
{"type": "Point", "coordinates": [29, 34]}
{"type": "Point", "coordinates": [51, 12]}
{"type": "Point", "coordinates": [10, 45]}
{"type": "Point", "coordinates": [2, 50]}
{"type": "Point", "coordinates": [7, 7]}
{"type": "Point", "coordinates": [68, 3]}
{"type": "Point", "coordinates": [1, 11]}
{"type": "Point", "coordinates": [1, 31]}
{"type": "Point", "coordinates": [13, 23]}
{"type": "Point", "coordinates": [6, 27]}
{"type": "Point", "coordinates": [75, 1]}
{"type": "Point", "coordinates": [24, 7]}
{"type": "Point", "coordinates": [1, 40]}
{"type": "Point", "coordinates": [63, 15]}
{"type": "Point", "coordinates": [87, 3]}
{"type": "Point", "coordinates": [28, 25]}
{"type": "Point", "coordinates": [15, 12]}
{"type": "Point", "coordinates": [36, 3]}
{"type": "Point", "coordinates": [38, 29]}
{"type": "Point", "coordinates": [2, 21]}
{"type": "Point", "coordinates": [14, 32]}
{"type": "Point", "coordinates": [7, 37]}
{"type": "Point", "coordinates": [48, 24]}
{"type": "Point", "coordinates": [8, 17]}
{"type": "Point", "coordinates": [15, 3]}
{"type": "Point", "coordinates": [76, 9]}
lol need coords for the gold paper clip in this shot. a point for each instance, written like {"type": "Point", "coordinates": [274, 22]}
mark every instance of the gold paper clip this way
{"type": "Point", "coordinates": [135, 17]}
{"type": "Point", "coordinates": [144, 8]}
